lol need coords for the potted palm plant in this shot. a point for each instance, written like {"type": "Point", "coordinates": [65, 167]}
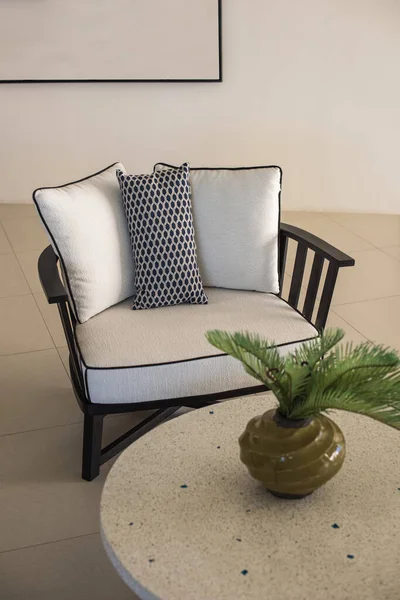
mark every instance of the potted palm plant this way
{"type": "Point", "coordinates": [296, 448]}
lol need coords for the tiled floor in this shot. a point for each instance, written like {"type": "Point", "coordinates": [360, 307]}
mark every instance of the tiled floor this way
{"type": "Point", "coordinates": [49, 543]}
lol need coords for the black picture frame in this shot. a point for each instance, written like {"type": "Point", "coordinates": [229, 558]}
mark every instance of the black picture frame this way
{"type": "Point", "coordinates": [210, 80]}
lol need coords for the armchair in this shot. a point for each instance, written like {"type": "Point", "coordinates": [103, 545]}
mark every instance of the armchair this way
{"type": "Point", "coordinates": [118, 359]}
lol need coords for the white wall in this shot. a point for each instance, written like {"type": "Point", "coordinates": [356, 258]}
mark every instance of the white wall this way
{"type": "Point", "coordinates": [312, 85]}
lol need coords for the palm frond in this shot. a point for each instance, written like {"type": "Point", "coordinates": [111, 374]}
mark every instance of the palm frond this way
{"type": "Point", "coordinates": [259, 357]}
{"type": "Point", "coordinates": [313, 351]}
{"type": "Point", "coordinates": [376, 404]}
{"type": "Point", "coordinates": [347, 366]}
{"type": "Point", "coordinates": [317, 377]}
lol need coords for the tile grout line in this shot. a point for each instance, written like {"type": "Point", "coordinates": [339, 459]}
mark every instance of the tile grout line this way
{"type": "Point", "coordinates": [357, 234]}
{"type": "Point", "coordinates": [28, 351]}
{"type": "Point", "coordinates": [333, 306]}
{"type": "Point", "coordinates": [352, 326]}
{"type": "Point", "coordinates": [74, 537]}
{"type": "Point", "coordinates": [387, 253]}
{"type": "Point", "coordinates": [34, 299]}
{"type": "Point", "coordinates": [15, 252]}
{"type": "Point", "coordinates": [15, 295]}
{"type": "Point", "coordinates": [20, 266]}
{"type": "Point", "coordinates": [331, 220]}
{"type": "Point", "coordinates": [9, 241]}
{"type": "Point", "coordinates": [31, 293]}
{"type": "Point", "coordinates": [45, 324]}
{"type": "Point", "coordinates": [29, 288]}
{"type": "Point", "coordinates": [354, 233]}
{"type": "Point", "coordinates": [3, 435]}
{"type": "Point", "coordinates": [65, 367]}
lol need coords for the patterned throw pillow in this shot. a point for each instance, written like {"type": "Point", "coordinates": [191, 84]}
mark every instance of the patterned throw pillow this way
{"type": "Point", "coordinates": [160, 221]}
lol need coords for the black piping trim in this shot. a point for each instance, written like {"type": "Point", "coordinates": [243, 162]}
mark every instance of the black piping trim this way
{"type": "Point", "coordinates": [212, 80]}
{"type": "Point", "coordinates": [88, 368]}
{"type": "Point", "coordinates": [56, 187]}
{"type": "Point", "coordinates": [220, 395]}
{"type": "Point", "coordinates": [218, 80]}
{"type": "Point", "coordinates": [51, 235]}
{"type": "Point", "coordinates": [244, 169]}
{"type": "Point", "coordinates": [190, 401]}
{"type": "Point", "coordinates": [187, 360]}
{"type": "Point", "coordinates": [87, 392]}
{"type": "Point", "coordinates": [219, 168]}
{"type": "Point", "coordinates": [220, 40]}
{"type": "Point", "coordinates": [279, 230]}
{"type": "Point", "coordinates": [299, 313]}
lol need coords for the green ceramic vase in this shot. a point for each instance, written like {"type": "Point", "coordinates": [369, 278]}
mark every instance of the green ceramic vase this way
{"type": "Point", "coordinates": [292, 458]}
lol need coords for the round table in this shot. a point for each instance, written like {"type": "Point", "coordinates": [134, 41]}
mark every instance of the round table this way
{"type": "Point", "coordinates": [181, 519]}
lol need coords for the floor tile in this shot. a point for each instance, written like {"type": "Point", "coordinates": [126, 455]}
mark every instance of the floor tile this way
{"type": "Point", "coordinates": [51, 316]}
{"type": "Point", "coordinates": [17, 211]}
{"type": "Point", "coordinates": [379, 230]}
{"type": "Point", "coordinates": [12, 280]}
{"type": "Point", "coordinates": [393, 251]}
{"type": "Point", "coordinates": [293, 217]}
{"type": "Point", "coordinates": [64, 355]}
{"type": "Point", "coordinates": [352, 335]}
{"type": "Point", "coordinates": [41, 397]}
{"type": "Point", "coordinates": [5, 247]}
{"type": "Point", "coordinates": [330, 231]}
{"type": "Point", "coordinates": [376, 319]}
{"type": "Point", "coordinates": [375, 275]}
{"type": "Point", "coordinates": [22, 327]}
{"type": "Point", "coordinates": [29, 264]}
{"type": "Point", "coordinates": [334, 320]}
{"type": "Point", "coordinates": [25, 234]}
{"type": "Point", "coordinates": [42, 495]}
{"type": "Point", "coordinates": [74, 569]}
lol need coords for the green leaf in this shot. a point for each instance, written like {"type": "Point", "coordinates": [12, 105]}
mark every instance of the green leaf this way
{"type": "Point", "coordinates": [313, 351]}
{"type": "Point", "coordinates": [318, 377]}
{"type": "Point", "coordinates": [259, 357]}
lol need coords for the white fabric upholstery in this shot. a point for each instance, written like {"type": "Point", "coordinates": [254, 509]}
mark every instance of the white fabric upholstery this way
{"type": "Point", "coordinates": [236, 221]}
{"type": "Point", "coordinates": [139, 356]}
{"type": "Point", "coordinates": [88, 230]}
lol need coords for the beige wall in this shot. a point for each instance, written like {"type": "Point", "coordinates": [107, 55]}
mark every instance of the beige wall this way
{"type": "Point", "coordinates": [311, 85]}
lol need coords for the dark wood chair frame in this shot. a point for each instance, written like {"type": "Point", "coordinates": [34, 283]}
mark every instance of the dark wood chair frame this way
{"type": "Point", "coordinates": [93, 453]}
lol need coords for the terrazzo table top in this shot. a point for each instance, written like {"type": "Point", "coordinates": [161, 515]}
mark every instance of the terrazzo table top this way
{"type": "Point", "coordinates": [181, 518]}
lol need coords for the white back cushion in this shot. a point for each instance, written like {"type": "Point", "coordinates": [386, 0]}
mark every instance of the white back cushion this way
{"type": "Point", "coordinates": [87, 227]}
{"type": "Point", "coordinates": [236, 214]}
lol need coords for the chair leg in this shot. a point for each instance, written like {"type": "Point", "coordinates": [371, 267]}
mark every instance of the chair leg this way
{"type": "Point", "coordinates": [92, 434]}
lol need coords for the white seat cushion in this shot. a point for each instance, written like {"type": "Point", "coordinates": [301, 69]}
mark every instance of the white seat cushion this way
{"type": "Point", "coordinates": [140, 356]}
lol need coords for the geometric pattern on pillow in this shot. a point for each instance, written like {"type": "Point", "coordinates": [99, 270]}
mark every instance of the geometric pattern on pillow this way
{"type": "Point", "coordinates": [158, 210]}
{"type": "Point", "coordinates": [236, 213]}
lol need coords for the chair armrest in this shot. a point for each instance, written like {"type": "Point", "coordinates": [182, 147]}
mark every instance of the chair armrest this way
{"type": "Point", "coordinates": [317, 244]}
{"type": "Point", "coordinates": [50, 278]}
{"type": "Point", "coordinates": [322, 252]}
{"type": "Point", "coordinates": [56, 294]}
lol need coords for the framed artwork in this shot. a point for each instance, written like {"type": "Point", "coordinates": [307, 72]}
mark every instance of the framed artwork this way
{"type": "Point", "coordinates": [110, 40]}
